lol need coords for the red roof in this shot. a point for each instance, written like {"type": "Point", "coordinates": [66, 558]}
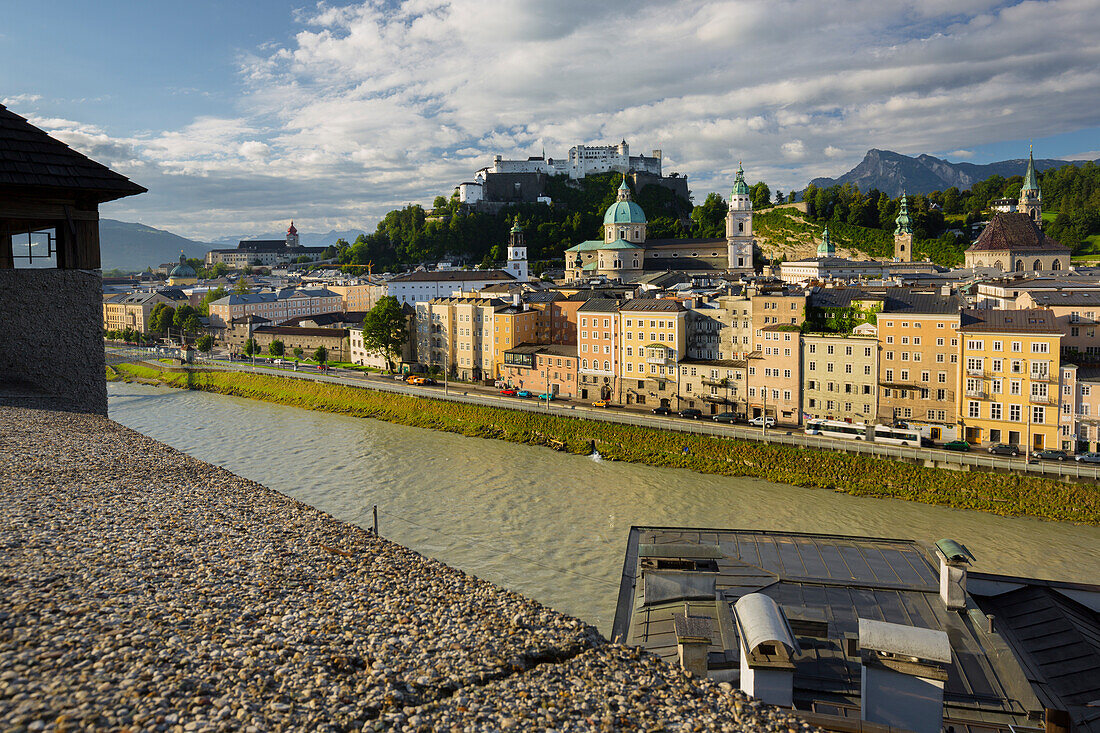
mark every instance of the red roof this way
{"type": "Point", "coordinates": [292, 230]}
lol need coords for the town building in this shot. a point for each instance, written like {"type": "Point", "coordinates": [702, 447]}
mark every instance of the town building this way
{"type": "Point", "coordinates": [826, 266]}
{"type": "Point", "coordinates": [513, 325]}
{"type": "Point", "coordinates": [1015, 243]}
{"type": "Point", "coordinates": [425, 285]}
{"type": "Point", "coordinates": [1077, 313]}
{"type": "Point", "coordinates": [132, 310]}
{"type": "Point", "coordinates": [276, 306]}
{"type": "Point", "coordinates": [840, 375]}
{"type": "Point", "coordinates": [653, 342]}
{"type": "Point", "coordinates": [918, 337]}
{"type": "Point", "coordinates": [359, 296]}
{"type": "Point", "coordinates": [714, 386]}
{"type": "Point", "coordinates": [265, 252]}
{"type": "Point", "coordinates": [456, 335]}
{"type": "Point", "coordinates": [335, 340]}
{"type": "Point", "coordinates": [598, 341]}
{"type": "Point", "coordinates": [542, 369]}
{"type": "Point", "coordinates": [406, 358]}
{"type": "Point", "coordinates": [1010, 371]}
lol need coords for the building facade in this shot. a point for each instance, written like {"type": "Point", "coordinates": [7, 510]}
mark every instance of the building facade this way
{"type": "Point", "coordinates": [654, 341]}
{"type": "Point", "coordinates": [840, 376]}
{"type": "Point", "coordinates": [598, 329]}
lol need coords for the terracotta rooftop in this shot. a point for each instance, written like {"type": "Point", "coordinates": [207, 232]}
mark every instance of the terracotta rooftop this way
{"type": "Point", "coordinates": [1015, 232]}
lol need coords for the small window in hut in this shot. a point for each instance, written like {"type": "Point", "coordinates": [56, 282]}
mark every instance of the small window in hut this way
{"type": "Point", "coordinates": [34, 250]}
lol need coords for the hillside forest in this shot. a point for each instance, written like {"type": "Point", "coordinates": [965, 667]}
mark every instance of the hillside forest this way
{"type": "Point", "coordinates": [865, 221]}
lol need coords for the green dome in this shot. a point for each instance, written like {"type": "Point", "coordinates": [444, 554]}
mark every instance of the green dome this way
{"type": "Point", "coordinates": [183, 269]}
{"type": "Point", "coordinates": [624, 212]}
{"type": "Point", "coordinates": [740, 188]}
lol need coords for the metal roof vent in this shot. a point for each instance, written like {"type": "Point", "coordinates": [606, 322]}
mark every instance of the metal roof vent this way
{"type": "Point", "coordinates": [693, 638]}
{"type": "Point", "coordinates": [954, 557]}
{"type": "Point", "coordinates": [767, 643]}
{"type": "Point", "coordinates": [903, 673]}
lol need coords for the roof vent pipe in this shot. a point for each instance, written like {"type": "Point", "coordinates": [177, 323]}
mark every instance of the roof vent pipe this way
{"type": "Point", "coordinates": [767, 644]}
{"type": "Point", "coordinates": [904, 669]}
{"type": "Point", "coordinates": [693, 637]}
{"type": "Point", "coordinates": [954, 557]}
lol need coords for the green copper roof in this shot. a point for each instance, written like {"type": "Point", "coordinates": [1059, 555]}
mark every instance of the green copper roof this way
{"type": "Point", "coordinates": [623, 186]}
{"type": "Point", "coordinates": [903, 224]}
{"type": "Point", "coordinates": [182, 269]}
{"type": "Point", "coordinates": [740, 188]}
{"type": "Point", "coordinates": [516, 228]}
{"type": "Point", "coordinates": [624, 212]}
{"type": "Point", "coordinates": [589, 266]}
{"type": "Point", "coordinates": [588, 246]}
{"type": "Point", "coordinates": [1031, 182]}
{"type": "Point", "coordinates": [620, 244]}
{"type": "Point", "coordinates": [826, 248]}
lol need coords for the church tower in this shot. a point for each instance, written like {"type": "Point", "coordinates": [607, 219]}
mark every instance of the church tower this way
{"type": "Point", "coordinates": [291, 237]}
{"type": "Point", "coordinates": [517, 253]}
{"type": "Point", "coordinates": [826, 248]}
{"type": "Point", "coordinates": [903, 234]}
{"type": "Point", "coordinates": [1031, 198]}
{"type": "Point", "coordinates": [739, 225]}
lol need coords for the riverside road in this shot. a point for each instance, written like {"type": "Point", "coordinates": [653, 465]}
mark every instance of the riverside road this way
{"type": "Point", "coordinates": [477, 394]}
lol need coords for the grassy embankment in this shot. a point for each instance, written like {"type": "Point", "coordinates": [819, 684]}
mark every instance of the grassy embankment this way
{"type": "Point", "coordinates": [999, 493]}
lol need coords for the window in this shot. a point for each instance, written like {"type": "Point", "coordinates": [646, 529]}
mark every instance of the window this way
{"type": "Point", "coordinates": [998, 346]}
{"type": "Point", "coordinates": [1014, 386]}
{"type": "Point", "coordinates": [1040, 347]}
{"type": "Point", "coordinates": [995, 411]}
{"type": "Point", "coordinates": [973, 409]}
{"type": "Point", "coordinates": [1017, 346]}
{"type": "Point", "coordinates": [939, 342]}
{"type": "Point", "coordinates": [811, 366]}
{"type": "Point", "coordinates": [1038, 415]}
{"type": "Point", "coordinates": [1014, 413]}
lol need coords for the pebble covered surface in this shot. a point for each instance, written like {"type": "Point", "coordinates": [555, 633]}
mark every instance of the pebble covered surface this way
{"type": "Point", "coordinates": [143, 589]}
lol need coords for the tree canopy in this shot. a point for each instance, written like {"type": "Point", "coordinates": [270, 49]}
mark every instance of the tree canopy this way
{"type": "Point", "coordinates": [385, 329]}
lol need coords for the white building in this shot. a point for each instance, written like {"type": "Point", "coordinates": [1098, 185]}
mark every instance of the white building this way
{"type": "Point", "coordinates": [583, 160]}
{"type": "Point", "coordinates": [415, 287]}
{"type": "Point", "coordinates": [275, 306]}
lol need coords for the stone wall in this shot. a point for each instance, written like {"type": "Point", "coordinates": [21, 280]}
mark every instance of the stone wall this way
{"type": "Point", "coordinates": [51, 336]}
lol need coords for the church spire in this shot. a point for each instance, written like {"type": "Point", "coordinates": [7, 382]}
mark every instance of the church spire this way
{"type": "Point", "coordinates": [1031, 197]}
{"type": "Point", "coordinates": [624, 191]}
{"type": "Point", "coordinates": [740, 188]}
{"type": "Point", "coordinates": [904, 226]}
{"type": "Point", "coordinates": [826, 248]}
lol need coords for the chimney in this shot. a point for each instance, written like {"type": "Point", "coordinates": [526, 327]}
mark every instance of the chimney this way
{"type": "Point", "coordinates": [904, 669]}
{"type": "Point", "coordinates": [954, 558]}
{"type": "Point", "coordinates": [515, 299]}
{"type": "Point", "coordinates": [766, 643]}
{"type": "Point", "coordinates": [693, 636]}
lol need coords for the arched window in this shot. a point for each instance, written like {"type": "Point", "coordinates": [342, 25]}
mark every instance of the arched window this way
{"type": "Point", "coordinates": [1038, 265]}
{"type": "Point", "coordinates": [622, 234]}
{"type": "Point", "coordinates": [1056, 265]}
{"type": "Point", "coordinates": [740, 226]}
{"type": "Point", "coordinates": [606, 366]}
{"type": "Point", "coordinates": [584, 363]}
{"type": "Point", "coordinates": [1019, 265]}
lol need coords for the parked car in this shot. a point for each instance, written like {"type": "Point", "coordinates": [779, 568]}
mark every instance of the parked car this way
{"type": "Point", "coordinates": [523, 393]}
{"type": "Point", "coordinates": [399, 377]}
{"type": "Point", "coordinates": [508, 392]}
{"type": "Point", "coordinates": [1051, 455]}
{"type": "Point", "coordinates": [1004, 449]}
{"type": "Point", "coordinates": [601, 403]}
{"type": "Point", "coordinates": [546, 396]}
{"type": "Point", "coordinates": [768, 422]}
{"type": "Point", "coordinates": [959, 445]}
{"type": "Point", "coordinates": [725, 417]}
{"type": "Point", "coordinates": [691, 414]}
{"type": "Point", "coordinates": [662, 410]}
{"type": "Point", "coordinates": [427, 381]}
{"type": "Point", "coordinates": [1088, 457]}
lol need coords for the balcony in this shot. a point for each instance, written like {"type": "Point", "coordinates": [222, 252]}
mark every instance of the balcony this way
{"type": "Point", "coordinates": [662, 360]}
{"type": "Point", "coordinates": [710, 382]}
{"type": "Point", "coordinates": [1040, 376]}
{"type": "Point", "coordinates": [1042, 399]}
{"type": "Point", "coordinates": [975, 371]}
{"type": "Point", "coordinates": [978, 394]}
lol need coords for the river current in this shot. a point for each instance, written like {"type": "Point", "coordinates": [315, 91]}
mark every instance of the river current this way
{"type": "Point", "coordinates": [548, 525]}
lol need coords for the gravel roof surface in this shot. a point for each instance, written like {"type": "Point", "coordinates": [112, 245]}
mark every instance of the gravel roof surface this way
{"type": "Point", "coordinates": [145, 589]}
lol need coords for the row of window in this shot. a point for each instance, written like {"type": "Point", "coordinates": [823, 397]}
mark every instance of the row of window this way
{"type": "Point", "coordinates": [996, 412]}
{"type": "Point", "coordinates": [848, 368]}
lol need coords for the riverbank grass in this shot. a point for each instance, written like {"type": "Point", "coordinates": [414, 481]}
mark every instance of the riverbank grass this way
{"type": "Point", "coordinates": [1006, 494]}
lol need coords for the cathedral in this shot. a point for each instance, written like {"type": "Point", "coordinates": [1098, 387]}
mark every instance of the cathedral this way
{"type": "Point", "coordinates": [626, 254]}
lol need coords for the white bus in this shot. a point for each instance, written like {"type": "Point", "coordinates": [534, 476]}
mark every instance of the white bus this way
{"type": "Point", "coordinates": [836, 429]}
{"type": "Point", "coordinates": [897, 436]}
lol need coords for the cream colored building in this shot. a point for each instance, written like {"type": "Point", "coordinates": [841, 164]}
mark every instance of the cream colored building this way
{"type": "Point", "coordinates": [456, 334]}
{"type": "Point", "coordinates": [132, 310]}
{"type": "Point", "coordinates": [840, 375]}
{"type": "Point", "coordinates": [1015, 243]}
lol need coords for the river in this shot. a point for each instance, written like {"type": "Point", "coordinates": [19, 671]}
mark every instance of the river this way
{"type": "Point", "coordinates": [548, 525]}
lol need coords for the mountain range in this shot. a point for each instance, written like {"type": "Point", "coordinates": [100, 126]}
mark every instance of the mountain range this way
{"type": "Point", "coordinates": [895, 174]}
{"type": "Point", "coordinates": [131, 246]}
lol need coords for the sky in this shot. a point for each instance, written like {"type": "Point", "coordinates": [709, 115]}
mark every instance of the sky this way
{"type": "Point", "coordinates": [239, 116]}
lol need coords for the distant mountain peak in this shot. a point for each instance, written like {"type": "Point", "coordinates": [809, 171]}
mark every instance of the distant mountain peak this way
{"type": "Point", "coordinates": [896, 173]}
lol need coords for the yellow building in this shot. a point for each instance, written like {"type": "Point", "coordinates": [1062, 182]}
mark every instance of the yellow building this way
{"type": "Point", "coordinates": [1010, 371]}
{"type": "Point", "coordinates": [132, 310]}
{"type": "Point", "coordinates": [653, 343]}
{"type": "Point", "coordinates": [512, 325]}
{"type": "Point", "coordinates": [456, 334]}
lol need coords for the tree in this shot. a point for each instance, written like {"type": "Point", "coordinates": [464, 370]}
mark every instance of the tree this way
{"type": "Point", "coordinates": [192, 324]}
{"type": "Point", "coordinates": [320, 355]}
{"type": "Point", "coordinates": [251, 347]}
{"type": "Point", "coordinates": [276, 348]}
{"type": "Point", "coordinates": [243, 287]}
{"type": "Point", "coordinates": [778, 196]}
{"type": "Point", "coordinates": [760, 195]}
{"type": "Point", "coordinates": [385, 329]}
{"type": "Point", "coordinates": [182, 315]}
{"type": "Point", "coordinates": [709, 218]}
{"type": "Point", "coordinates": [297, 352]}
{"type": "Point", "coordinates": [165, 318]}
{"type": "Point", "coordinates": [205, 343]}
{"type": "Point", "coordinates": [211, 295]}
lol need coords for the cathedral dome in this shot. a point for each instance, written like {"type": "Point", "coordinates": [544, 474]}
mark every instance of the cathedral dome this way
{"type": "Point", "coordinates": [624, 212]}
{"type": "Point", "coordinates": [182, 269]}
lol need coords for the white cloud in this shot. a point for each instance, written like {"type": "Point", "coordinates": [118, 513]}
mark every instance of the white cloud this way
{"type": "Point", "coordinates": [375, 105]}
{"type": "Point", "coordinates": [961, 154]}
